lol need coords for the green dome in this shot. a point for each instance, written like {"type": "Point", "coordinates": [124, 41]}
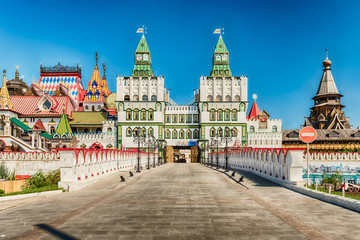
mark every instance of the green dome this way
{"type": "Point", "coordinates": [110, 101]}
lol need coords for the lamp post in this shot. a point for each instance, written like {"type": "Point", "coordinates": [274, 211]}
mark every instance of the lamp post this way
{"type": "Point", "coordinates": [227, 138]}
{"type": "Point", "coordinates": [215, 143]}
{"type": "Point", "coordinates": [149, 143]}
{"type": "Point", "coordinates": [138, 139]}
{"type": "Point", "coordinates": [154, 146]}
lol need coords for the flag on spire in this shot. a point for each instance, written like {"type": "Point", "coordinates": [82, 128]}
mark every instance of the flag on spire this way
{"type": "Point", "coordinates": [217, 31]}
{"type": "Point", "coordinates": [140, 30]}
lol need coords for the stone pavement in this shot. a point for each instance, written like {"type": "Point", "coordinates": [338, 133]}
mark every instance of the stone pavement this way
{"type": "Point", "coordinates": [179, 201]}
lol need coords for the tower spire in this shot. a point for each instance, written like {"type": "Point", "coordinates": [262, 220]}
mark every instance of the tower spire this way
{"type": "Point", "coordinates": [97, 59]}
{"type": "Point", "coordinates": [221, 65]}
{"type": "Point", "coordinates": [142, 59]}
{"type": "Point", "coordinates": [5, 101]}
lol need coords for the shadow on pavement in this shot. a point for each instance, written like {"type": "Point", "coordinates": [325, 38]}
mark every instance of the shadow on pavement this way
{"type": "Point", "coordinates": [56, 233]}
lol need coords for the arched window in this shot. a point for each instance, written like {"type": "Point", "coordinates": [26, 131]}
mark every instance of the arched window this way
{"type": "Point", "coordinates": [109, 129]}
{"type": "Point", "coordinates": [151, 114]}
{"type": "Point", "coordinates": [227, 98]}
{"type": "Point", "coordinates": [126, 98]}
{"type": "Point", "coordinates": [220, 132]}
{"type": "Point", "coordinates": [97, 94]}
{"type": "Point", "coordinates": [188, 134]}
{"type": "Point", "coordinates": [153, 98]}
{"type": "Point", "coordinates": [252, 129]}
{"type": "Point", "coordinates": [167, 134]}
{"type": "Point", "coordinates": [212, 115]}
{"type": "Point", "coordinates": [174, 134]}
{"type": "Point", "coordinates": [227, 132]}
{"type": "Point", "coordinates": [86, 130]}
{"type": "Point", "coordinates": [143, 132]}
{"type": "Point", "coordinates": [218, 98]}
{"type": "Point", "coordinates": [196, 134]}
{"type": "Point", "coordinates": [143, 114]}
{"type": "Point", "coordinates": [136, 98]}
{"type": "Point", "coordinates": [234, 115]}
{"type": "Point", "coordinates": [234, 132]}
{"type": "Point", "coordinates": [181, 134]}
{"type": "Point", "coordinates": [128, 114]}
{"type": "Point", "coordinates": [227, 115]}
{"type": "Point", "coordinates": [144, 97]}
{"type": "Point", "coordinates": [212, 132]}
{"type": "Point", "coordinates": [52, 130]}
{"type": "Point", "coordinates": [136, 114]}
{"type": "Point", "coordinates": [210, 98]}
{"type": "Point", "coordinates": [237, 98]}
{"type": "Point", "coordinates": [220, 115]}
{"type": "Point", "coordinates": [274, 129]}
{"type": "Point", "coordinates": [151, 131]}
{"type": "Point", "coordinates": [98, 130]}
{"type": "Point", "coordinates": [89, 94]}
{"type": "Point", "coordinates": [94, 84]}
{"type": "Point", "coordinates": [136, 132]}
{"type": "Point", "coordinates": [128, 132]}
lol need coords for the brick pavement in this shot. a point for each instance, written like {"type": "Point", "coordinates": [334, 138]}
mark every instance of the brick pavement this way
{"type": "Point", "coordinates": [180, 201]}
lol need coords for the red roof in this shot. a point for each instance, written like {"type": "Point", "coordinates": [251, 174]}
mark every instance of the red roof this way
{"type": "Point", "coordinates": [39, 125]}
{"type": "Point", "coordinates": [28, 105]}
{"type": "Point", "coordinates": [254, 112]}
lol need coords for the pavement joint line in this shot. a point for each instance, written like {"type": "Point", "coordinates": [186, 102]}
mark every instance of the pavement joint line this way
{"type": "Point", "coordinates": [60, 221]}
{"type": "Point", "coordinates": [296, 223]}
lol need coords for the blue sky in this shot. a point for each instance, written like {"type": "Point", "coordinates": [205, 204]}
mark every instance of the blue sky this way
{"type": "Point", "coordinates": [279, 45]}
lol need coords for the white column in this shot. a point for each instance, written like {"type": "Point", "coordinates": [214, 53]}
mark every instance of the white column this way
{"type": "Point", "coordinates": [33, 139]}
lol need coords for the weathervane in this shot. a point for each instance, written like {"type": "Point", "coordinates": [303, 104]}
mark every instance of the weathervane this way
{"type": "Point", "coordinates": [97, 58]}
{"type": "Point", "coordinates": [142, 30]}
{"type": "Point", "coordinates": [326, 53]}
{"type": "Point", "coordinates": [219, 31]}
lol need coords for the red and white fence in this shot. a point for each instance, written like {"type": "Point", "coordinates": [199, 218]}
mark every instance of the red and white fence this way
{"type": "Point", "coordinates": [81, 167]}
{"type": "Point", "coordinates": [276, 163]}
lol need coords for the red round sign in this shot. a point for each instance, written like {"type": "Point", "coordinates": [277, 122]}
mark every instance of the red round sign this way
{"type": "Point", "coordinates": [307, 134]}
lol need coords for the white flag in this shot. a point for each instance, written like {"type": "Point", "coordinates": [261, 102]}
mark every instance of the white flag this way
{"type": "Point", "coordinates": [217, 31]}
{"type": "Point", "coordinates": [140, 30]}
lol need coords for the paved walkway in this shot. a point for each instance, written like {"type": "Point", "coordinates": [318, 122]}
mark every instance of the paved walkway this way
{"type": "Point", "coordinates": [179, 201]}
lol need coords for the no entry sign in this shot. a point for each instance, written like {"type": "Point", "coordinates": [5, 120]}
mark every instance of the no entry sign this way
{"type": "Point", "coordinates": [307, 134]}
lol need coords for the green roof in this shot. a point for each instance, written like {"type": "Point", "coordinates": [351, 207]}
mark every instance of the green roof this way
{"type": "Point", "coordinates": [220, 46]}
{"type": "Point", "coordinates": [20, 124]}
{"type": "Point", "coordinates": [46, 135]}
{"type": "Point", "coordinates": [143, 46]}
{"type": "Point", "coordinates": [88, 118]}
{"type": "Point", "coordinates": [63, 126]}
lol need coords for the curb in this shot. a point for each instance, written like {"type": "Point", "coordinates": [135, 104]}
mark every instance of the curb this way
{"type": "Point", "coordinates": [29, 195]}
{"type": "Point", "coordinates": [348, 203]}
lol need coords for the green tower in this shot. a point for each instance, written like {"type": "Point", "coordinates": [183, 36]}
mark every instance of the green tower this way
{"type": "Point", "coordinates": [221, 66]}
{"type": "Point", "coordinates": [142, 66]}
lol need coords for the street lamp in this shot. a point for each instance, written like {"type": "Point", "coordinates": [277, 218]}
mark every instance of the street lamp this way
{"type": "Point", "coordinates": [154, 146]}
{"type": "Point", "coordinates": [149, 143]}
{"type": "Point", "coordinates": [227, 138]}
{"type": "Point", "coordinates": [138, 139]}
{"type": "Point", "coordinates": [215, 143]}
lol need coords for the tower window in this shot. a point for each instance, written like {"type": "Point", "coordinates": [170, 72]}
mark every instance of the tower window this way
{"type": "Point", "coordinates": [128, 115]}
{"type": "Point", "coordinates": [196, 134]}
{"type": "Point", "coordinates": [145, 98]}
{"type": "Point", "coordinates": [188, 118]}
{"type": "Point", "coordinates": [274, 129]}
{"type": "Point", "coordinates": [126, 98]}
{"type": "Point", "coordinates": [212, 132]}
{"type": "Point", "coordinates": [153, 98]}
{"type": "Point", "coordinates": [196, 118]}
{"type": "Point", "coordinates": [181, 118]}
{"type": "Point", "coordinates": [167, 134]}
{"type": "Point", "coordinates": [89, 95]}
{"type": "Point", "coordinates": [97, 94]}
{"type": "Point", "coordinates": [188, 134]}
{"type": "Point", "coordinates": [151, 114]}
{"type": "Point", "coordinates": [94, 85]}
{"type": "Point", "coordinates": [252, 129]}
{"type": "Point", "coordinates": [174, 134]}
{"type": "Point", "coordinates": [212, 115]}
{"type": "Point", "coordinates": [143, 114]}
{"type": "Point", "coordinates": [136, 114]}
{"type": "Point", "coordinates": [181, 134]}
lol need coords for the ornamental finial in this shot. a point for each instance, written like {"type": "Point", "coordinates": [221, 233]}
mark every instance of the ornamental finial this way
{"type": "Point", "coordinates": [97, 58]}
{"type": "Point", "coordinates": [104, 67]}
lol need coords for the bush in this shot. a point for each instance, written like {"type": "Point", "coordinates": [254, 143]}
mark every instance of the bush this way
{"type": "Point", "coordinates": [334, 178]}
{"type": "Point", "coordinates": [39, 179]}
{"type": "Point", "coordinates": [2, 191]}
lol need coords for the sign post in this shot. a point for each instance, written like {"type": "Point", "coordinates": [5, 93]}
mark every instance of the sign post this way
{"type": "Point", "coordinates": [307, 135]}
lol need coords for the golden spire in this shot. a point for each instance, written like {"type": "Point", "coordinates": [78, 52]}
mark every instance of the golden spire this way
{"type": "Point", "coordinates": [5, 101]}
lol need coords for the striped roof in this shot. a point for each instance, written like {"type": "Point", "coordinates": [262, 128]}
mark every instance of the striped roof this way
{"type": "Point", "coordinates": [88, 118]}
{"type": "Point", "coordinates": [63, 126]}
{"type": "Point", "coordinates": [29, 105]}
